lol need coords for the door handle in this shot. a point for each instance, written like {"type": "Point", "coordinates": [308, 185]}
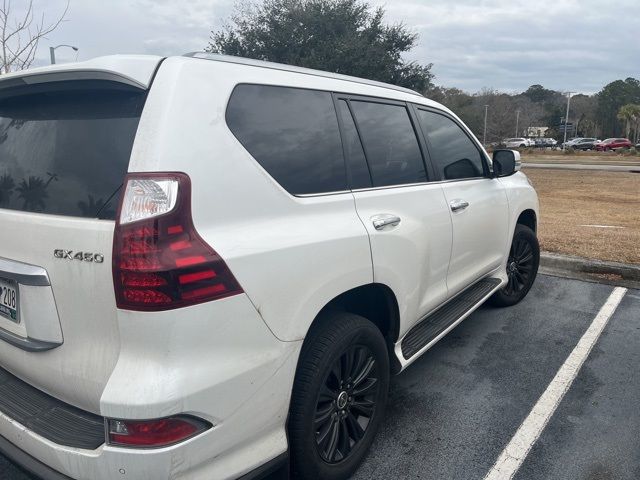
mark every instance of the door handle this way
{"type": "Point", "coordinates": [458, 205]}
{"type": "Point", "coordinates": [385, 220]}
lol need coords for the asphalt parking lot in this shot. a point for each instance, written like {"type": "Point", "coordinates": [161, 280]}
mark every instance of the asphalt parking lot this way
{"type": "Point", "coordinates": [452, 412]}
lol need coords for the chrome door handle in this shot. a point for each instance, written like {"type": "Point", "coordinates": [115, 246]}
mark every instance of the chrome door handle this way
{"type": "Point", "coordinates": [458, 205]}
{"type": "Point", "coordinates": [385, 220]}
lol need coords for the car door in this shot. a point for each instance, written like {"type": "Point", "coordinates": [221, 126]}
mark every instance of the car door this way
{"type": "Point", "coordinates": [405, 215]}
{"type": "Point", "coordinates": [477, 203]}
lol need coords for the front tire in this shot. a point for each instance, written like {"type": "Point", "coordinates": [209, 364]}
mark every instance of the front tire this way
{"type": "Point", "coordinates": [522, 268]}
{"type": "Point", "coordinates": [339, 397]}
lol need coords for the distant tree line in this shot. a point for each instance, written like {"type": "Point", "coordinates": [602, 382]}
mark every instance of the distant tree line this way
{"type": "Point", "coordinates": [612, 112]}
{"type": "Point", "coordinates": [351, 37]}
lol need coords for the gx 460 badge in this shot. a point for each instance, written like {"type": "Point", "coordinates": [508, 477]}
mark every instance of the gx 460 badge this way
{"type": "Point", "coordinates": [82, 256]}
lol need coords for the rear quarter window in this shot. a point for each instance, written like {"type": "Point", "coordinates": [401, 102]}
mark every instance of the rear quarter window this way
{"type": "Point", "coordinates": [292, 133]}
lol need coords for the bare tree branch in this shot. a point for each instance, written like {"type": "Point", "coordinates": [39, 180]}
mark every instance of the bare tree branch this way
{"type": "Point", "coordinates": [19, 39]}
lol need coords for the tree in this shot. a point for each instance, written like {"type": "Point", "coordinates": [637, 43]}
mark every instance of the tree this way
{"type": "Point", "coordinates": [630, 115]}
{"type": "Point", "coordinates": [463, 104]}
{"type": "Point", "coordinates": [583, 115]}
{"type": "Point", "coordinates": [19, 37]}
{"type": "Point", "coordinates": [7, 184]}
{"type": "Point", "coordinates": [341, 36]}
{"type": "Point", "coordinates": [539, 94]}
{"type": "Point", "coordinates": [552, 102]}
{"type": "Point", "coordinates": [34, 193]}
{"type": "Point", "coordinates": [611, 98]}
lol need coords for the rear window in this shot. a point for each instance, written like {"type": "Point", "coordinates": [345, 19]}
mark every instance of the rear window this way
{"type": "Point", "coordinates": [293, 134]}
{"type": "Point", "coordinates": [65, 151]}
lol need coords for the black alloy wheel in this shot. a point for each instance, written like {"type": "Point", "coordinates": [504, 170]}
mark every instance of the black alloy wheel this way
{"type": "Point", "coordinates": [519, 266]}
{"type": "Point", "coordinates": [522, 268]}
{"type": "Point", "coordinates": [346, 403]}
{"type": "Point", "coordinates": [339, 396]}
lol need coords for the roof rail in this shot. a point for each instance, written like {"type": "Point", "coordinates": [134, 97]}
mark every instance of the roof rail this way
{"type": "Point", "coordinates": [290, 68]}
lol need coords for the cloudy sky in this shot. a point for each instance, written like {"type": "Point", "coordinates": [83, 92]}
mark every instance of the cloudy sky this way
{"type": "Point", "coordinates": [567, 45]}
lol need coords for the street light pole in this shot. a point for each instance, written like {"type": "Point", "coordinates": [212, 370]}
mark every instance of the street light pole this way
{"type": "Point", "coordinates": [484, 133]}
{"type": "Point", "coordinates": [52, 52]}
{"type": "Point", "coordinates": [517, 120]}
{"type": "Point", "coordinates": [566, 120]}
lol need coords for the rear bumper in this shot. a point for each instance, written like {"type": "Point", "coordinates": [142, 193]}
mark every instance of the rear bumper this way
{"type": "Point", "coordinates": [276, 469]}
{"type": "Point", "coordinates": [216, 361]}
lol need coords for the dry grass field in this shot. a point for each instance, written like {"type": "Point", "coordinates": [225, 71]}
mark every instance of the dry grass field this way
{"type": "Point", "coordinates": [585, 158]}
{"type": "Point", "coordinates": [593, 214]}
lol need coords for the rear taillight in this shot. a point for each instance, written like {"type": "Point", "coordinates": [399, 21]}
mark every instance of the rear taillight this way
{"type": "Point", "coordinates": [154, 433]}
{"type": "Point", "coordinates": [159, 260]}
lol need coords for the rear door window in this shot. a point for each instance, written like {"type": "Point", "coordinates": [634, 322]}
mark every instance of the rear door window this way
{"type": "Point", "coordinates": [292, 133]}
{"type": "Point", "coordinates": [452, 152]}
{"type": "Point", "coordinates": [66, 152]}
{"type": "Point", "coordinates": [390, 143]}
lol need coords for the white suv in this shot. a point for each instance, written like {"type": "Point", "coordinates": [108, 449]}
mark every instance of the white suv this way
{"type": "Point", "coordinates": [519, 142]}
{"type": "Point", "coordinates": [210, 266]}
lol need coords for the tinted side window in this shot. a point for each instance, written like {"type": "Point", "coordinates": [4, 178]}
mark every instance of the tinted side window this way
{"type": "Point", "coordinates": [390, 142]}
{"type": "Point", "coordinates": [452, 152]}
{"type": "Point", "coordinates": [293, 133]}
{"type": "Point", "coordinates": [358, 168]}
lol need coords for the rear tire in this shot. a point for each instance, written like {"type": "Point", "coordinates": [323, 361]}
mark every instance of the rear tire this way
{"type": "Point", "coordinates": [522, 268]}
{"type": "Point", "coordinates": [339, 397]}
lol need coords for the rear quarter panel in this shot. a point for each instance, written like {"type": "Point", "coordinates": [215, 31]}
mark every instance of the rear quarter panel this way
{"type": "Point", "coordinates": [291, 255]}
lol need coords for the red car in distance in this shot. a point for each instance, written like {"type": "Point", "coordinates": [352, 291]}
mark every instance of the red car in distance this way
{"type": "Point", "coordinates": [613, 144]}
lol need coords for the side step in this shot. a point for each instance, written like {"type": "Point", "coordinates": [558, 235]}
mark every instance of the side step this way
{"type": "Point", "coordinates": [443, 317]}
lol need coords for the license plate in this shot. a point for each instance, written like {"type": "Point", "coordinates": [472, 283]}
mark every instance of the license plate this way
{"type": "Point", "coordinates": [9, 299]}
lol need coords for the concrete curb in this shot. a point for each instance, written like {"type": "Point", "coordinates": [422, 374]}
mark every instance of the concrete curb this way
{"type": "Point", "coordinates": [613, 273]}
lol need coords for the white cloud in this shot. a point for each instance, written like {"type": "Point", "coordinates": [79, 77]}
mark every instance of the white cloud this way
{"type": "Point", "coordinates": [508, 44]}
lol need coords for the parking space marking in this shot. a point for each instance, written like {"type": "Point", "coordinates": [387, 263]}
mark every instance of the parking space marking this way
{"type": "Point", "coordinates": [529, 431]}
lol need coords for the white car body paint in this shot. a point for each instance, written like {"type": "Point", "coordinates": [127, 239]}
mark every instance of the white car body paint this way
{"type": "Point", "coordinates": [518, 142]}
{"type": "Point", "coordinates": [230, 361]}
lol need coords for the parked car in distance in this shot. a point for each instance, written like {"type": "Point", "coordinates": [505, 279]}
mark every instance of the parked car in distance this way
{"type": "Point", "coordinates": [520, 142]}
{"type": "Point", "coordinates": [613, 144]}
{"type": "Point", "coordinates": [545, 142]}
{"type": "Point", "coordinates": [234, 257]}
{"type": "Point", "coordinates": [571, 141]}
{"type": "Point", "coordinates": [585, 144]}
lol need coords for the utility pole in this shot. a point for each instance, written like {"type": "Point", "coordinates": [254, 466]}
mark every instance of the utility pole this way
{"type": "Point", "coordinates": [566, 120]}
{"type": "Point", "coordinates": [517, 120]}
{"type": "Point", "coordinates": [484, 133]}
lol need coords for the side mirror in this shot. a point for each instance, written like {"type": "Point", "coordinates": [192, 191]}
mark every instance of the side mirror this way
{"type": "Point", "coordinates": [505, 162]}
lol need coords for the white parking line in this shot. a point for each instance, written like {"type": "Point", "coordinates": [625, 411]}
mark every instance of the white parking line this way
{"type": "Point", "coordinates": [518, 448]}
{"type": "Point", "coordinates": [602, 226]}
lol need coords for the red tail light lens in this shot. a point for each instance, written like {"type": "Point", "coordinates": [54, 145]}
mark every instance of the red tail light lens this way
{"type": "Point", "coordinates": [159, 260]}
{"type": "Point", "coordinates": [154, 433]}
